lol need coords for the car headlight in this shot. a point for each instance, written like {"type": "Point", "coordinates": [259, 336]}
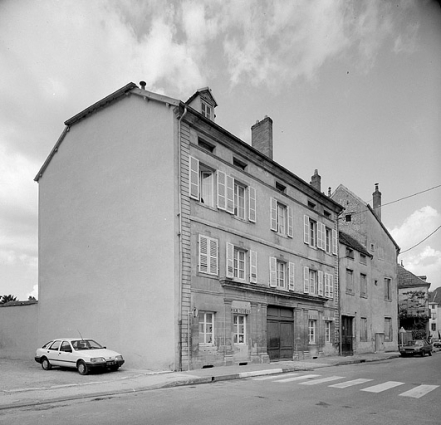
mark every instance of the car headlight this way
{"type": "Point", "coordinates": [97, 360]}
{"type": "Point", "coordinates": [118, 357]}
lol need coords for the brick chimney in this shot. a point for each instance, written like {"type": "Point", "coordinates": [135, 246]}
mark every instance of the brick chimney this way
{"type": "Point", "coordinates": [377, 202]}
{"type": "Point", "coordinates": [316, 181]}
{"type": "Point", "coordinates": [262, 136]}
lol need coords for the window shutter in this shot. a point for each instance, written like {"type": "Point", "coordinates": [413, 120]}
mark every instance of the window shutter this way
{"type": "Point", "coordinates": [306, 229]}
{"type": "Point", "coordinates": [327, 285]}
{"type": "Point", "coordinates": [230, 194]}
{"type": "Point", "coordinates": [331, 286]}
{"type": "Point", "coordinates": [194, 178]}
{"type": "Point", "coordinates": [320, 283]}
{"type": "Point", "coordinates": [306, 280]}
{"type": "Point", "coordinates": [252, 204]}
{"type": "Point", "coordinates": [291, 276]}
{"type": "Point", "coordinates": [230, 260]}
{"type": "Point", "coordinates": [273, 271]}
{"type": "Point", "coordinates": [290, 222]}
{"type": "Point", "coordinates": [273, 211]}
{"type": "Point", "coordinates": [203, 254]}
{"type": "Point", "coordinates": [253, 266]}
{"type": "Point", "coordinates": [321, 243]}
{"type": "Point", "coordinates": [221, 190]}
{"type": "Point", "coordinates": [213, 256]}
{"type": "Point", "coordinates": [334, 242]}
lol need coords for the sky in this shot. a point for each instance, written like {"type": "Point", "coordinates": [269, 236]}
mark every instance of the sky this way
{"type": "Point", "coordinates": [353, 89]}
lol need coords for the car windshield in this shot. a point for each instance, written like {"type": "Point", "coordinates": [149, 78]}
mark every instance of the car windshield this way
{"type": "Point", "coordinates": [418, 343]}
{"type": "Point", "coordinates": [85, 344]}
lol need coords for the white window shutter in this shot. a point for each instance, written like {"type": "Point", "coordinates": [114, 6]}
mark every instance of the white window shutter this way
{"type": "Point", "coordinates": [273, 214]}
{"type": "Point", "coordinates": [273, 271]}
{"type": "Point", "coordinates": [321, 236]}
{"type": "Point", "coordinates": [194, 178]}
{"type": "Point", "coordinates": [331, 286]}
{"type": "Point", "coordinates": [230, 260]}
{"type": "Point", "coordinates": [291, 276]}
{"type": "Point", "coordinates": [320, 283]}
{"type": "Point", "coordinates": [306, 280]}
{"type": "Point", "coordinates": [203, 254]}
{"type": "Point", "coordinates": [334, 242]}
{"type": "Point", "coordinates": [253, 266]}
{"type": "Point", "coordinates": [327, 285]}
{"type": "Point", "coordinates": [230, 194]}
{"type": "Point", "coordinates": [213, 256]}
{"type": "Point", "coordinates": [306, 229]}
{"type": "Point", "coordinates": [221, 190]}
{"type": "Point", "coordinates": [290, 222]}
{"type": "Point", "coordinates": [252, 210]}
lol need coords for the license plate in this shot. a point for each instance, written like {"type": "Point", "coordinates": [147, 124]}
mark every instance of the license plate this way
{"type": "Point", "coordinates": [111, 363]}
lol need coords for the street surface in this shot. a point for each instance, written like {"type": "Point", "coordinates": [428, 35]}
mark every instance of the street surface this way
{"type": "Point", "coordinates": [400, 391]}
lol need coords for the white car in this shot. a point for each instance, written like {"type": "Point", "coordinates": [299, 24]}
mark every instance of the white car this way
{"type": "Point", "coordinates": [81, 354]}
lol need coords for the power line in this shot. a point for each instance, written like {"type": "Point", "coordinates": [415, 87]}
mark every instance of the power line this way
{"type": "Point", "coordinates": [419, 243]}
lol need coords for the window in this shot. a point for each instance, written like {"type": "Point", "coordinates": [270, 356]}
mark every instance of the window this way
{"type": "Point", "coordinates": [281, 218]}
{"type": "Point", "coordinates": [239, 329]}
{"type": "Point", "coordinates": [363, 329]}
{"type": "Point", "coordinates": [328, 331]}
{"type": "Point", "coordinates": [329, 285]}
{"type": "Point", "coordinates": [349, 253]}
{"type": "Point", "coordinates": [387, 289]}
{"type": "Point", "coordinates": [349, 281]}
{"type": "Point", "coordinates": [205, 145]}
{"type": "Point", "coordinates": [317, 235]}
{"type": "Point", "coordinates": [236, 263]}
{"type": "Point", "coordinates": [206, 328]}
{"type": "Point", "coordinates": [238, 163]}
{"type": "Point", "coordinates": [363, 259]}
{"type": "Point", "coordinates": [281, 274]}
{"type": "Point", "coordinates": [363, 285]}
{"type": "Point", "coordinates": [312, 329]}
{"type": "Point", "coordinates": [311, 205]}
{"type": "Point", "coordinates": [312, 233]}
{"type": "Point", "coordinates": [281, 187]}
{"type": "Point", "coordinates": [239, 200]}
{"type": "Point", "coordinates": [207, 188]}
{"type": "Point", "coordinates": [328, 240]}
{"type": "Point", "coordinates": [201, 182]}
{"type": "Point", "coordinates": [348, 218]}
{"type": "Point", "coordinates": [55, 346]}
{"type": "Point", "coordinates": [433, 326]}
{"type": "Point", "coordinates": [310, 281]}
{"type": "Point", "coordinates": [388, 334]}
{"type": "Point", "coordinates": [208, 255]}
{"type": "Point", "coordinates": [207, 110]}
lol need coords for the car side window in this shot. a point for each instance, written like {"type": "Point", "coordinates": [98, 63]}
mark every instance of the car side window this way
{"type": "Point", "coordinates": [55, 346]}
{"type": "Point", "coordinates": [65, 346]}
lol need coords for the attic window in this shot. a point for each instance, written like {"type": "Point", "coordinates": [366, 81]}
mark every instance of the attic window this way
{"type": "Point", "coordinates": [281, 187]}
{"type": "Point", "coordinates": [206, 110]}
{"type": "Point", "coordinates": [205, 145]}
{"type": "Point", "coordinates": [239, 163]}
{"type": "Point", "coordinates": [311, 204]}
{"type": "Point", "coordinates": [327, 214]}
{"type": "Point", "coordinates": [348, 218]}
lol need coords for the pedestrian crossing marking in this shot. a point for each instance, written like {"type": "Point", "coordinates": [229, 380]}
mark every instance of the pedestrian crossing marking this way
{"type": "Point", "coordinates": [419, 391]}
{"type": "Point", "coordinates": [382, 387]}
{"type": "Point", "coordinates": [350, 383]}
{"type": "Point", "coordinates": [321, 381]}
{"type": "Point", "coordinates": [264, 378]}
{"type": "Point", "coordinates": [297, 378]}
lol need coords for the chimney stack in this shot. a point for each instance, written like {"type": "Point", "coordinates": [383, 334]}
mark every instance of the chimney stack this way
{"type": "Point", "coordinates": [377, 202]}
{"type": "Point", "coordinates": [316, 181]}
{"type": "Point", "coordinates": [262, 136]}
{"type": "Point", "coordinates": [142, 84]}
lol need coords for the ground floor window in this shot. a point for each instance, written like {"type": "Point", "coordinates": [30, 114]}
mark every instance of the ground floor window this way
{"type": "Point", "coordinates": [239, 331]}
{"type": "Point", "coordinates": [312, 331]}
{"type": "Point", "coordinates": [206, 328]}
{"type": "Point", "coordinates": [388, 329]}
{"type": "Point", "coordinates": [328, 331]}
{"type": "Point", "coordinates": [363, 329]}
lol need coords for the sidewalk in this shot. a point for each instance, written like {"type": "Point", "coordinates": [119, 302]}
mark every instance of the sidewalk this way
{"type": "Point", "coordinates": [61, 385]}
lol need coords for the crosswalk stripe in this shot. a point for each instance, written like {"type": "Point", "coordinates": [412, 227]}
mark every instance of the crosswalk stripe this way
{"type": "Point", "coordinates": [419, 391]}
{"type": "Point", "coordinates": [350, 383]}
{"type": "Point", "coordinates": [298, 378]}
{"type": "Point", "coordinates": [382, 387]}
{"type": "Point", "coordinates": [321, 381]}
{"type": "Point", "coordinates": [264, 378]}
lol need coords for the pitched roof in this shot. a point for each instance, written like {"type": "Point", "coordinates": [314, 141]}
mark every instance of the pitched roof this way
{"type": "Point", "coordinates": [349, 241]}
{"type": "Point", "coordinates": [406, 279]}
{"type": "Point", "coordinates": [206, 91]}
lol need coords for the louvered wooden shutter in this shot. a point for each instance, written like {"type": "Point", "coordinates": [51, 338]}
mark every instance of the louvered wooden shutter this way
{"type": "Point", "coordinates": [252, 210]}
{"type": "Point", "coordinates": [230, 260]}
{"type": "Point", "coordinates": [221, 190]}
{"type": "Point", "coordinates": [273, 271]}
{"type": "Point", "coordinates": [253, 266]}
{"type": "Point", "coordinates": [213, 256]}
{"type": "Point", "coordinates": [306, 229]}
{"type": "Point", "coordinates": [320, 283]}
{"type": "Point", "coordinates": [273, 214]}
{"type": "Point", "coordinates": [291, 274]}
{"type": "Point", "coordinates": [331, 286]}
{"type": "Point", "coordinates": [334, 242]}
{"type": "Point", "coordinates": [194, 178]}
{"type": "Point", "coordinates": [230, 194]}
{"type": "Point", "coordinates": [203, 254]}
{"type": "Point", "coordinates": [290, 222]}
{"type": "Point", "coordinates": [306, 280]}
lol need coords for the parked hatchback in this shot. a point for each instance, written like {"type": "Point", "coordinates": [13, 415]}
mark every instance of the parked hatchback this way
{"type": "Point", "coordinates": [81, 354]}
{"type": "Point", "coordinates": [416, 346]}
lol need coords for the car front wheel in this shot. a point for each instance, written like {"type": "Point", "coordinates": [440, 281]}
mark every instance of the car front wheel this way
{"type": "Point", "coordinates": [45, 364]}
{"type": "Point", "coordinates": [82, 368]}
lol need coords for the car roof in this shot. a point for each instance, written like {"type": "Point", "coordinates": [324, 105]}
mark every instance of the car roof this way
{"type": "Point", "coordinates": [71, 339]}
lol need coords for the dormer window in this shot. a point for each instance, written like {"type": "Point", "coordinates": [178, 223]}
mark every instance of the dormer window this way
{"type": "Point", "coordinates": [206, 110]}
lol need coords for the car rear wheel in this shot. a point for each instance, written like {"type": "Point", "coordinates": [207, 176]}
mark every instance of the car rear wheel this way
{"type": "Point", "coordinates": [430, 353]}
{"type": "Point", "coordinates": [82, 368]}
{"type": "Point", "coordinates": [45, 364]}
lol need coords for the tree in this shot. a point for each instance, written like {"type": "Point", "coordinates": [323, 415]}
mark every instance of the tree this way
{"type": "Point", "coordinates": [7, 298]}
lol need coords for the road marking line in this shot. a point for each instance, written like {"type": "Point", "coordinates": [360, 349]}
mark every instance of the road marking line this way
{"type": "Point", "coordinates": [382, 387]}
{"type": "Point", "coordinates": [298, 378]}
{"type": "Point", "coordinates": [260, 372]}
{"type": "Point", "coordinates": [263, 378]}
{"type": "Point", "coordinates": [419, 391]}
{"type": "Point", "coordinates": [350, 383]}
{"type": "Point", "coordinates": [321, 381]}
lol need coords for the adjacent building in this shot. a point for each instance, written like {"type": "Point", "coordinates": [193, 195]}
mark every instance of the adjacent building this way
{"type": "Point", "coordinates": [368, 276]}
{"type": "Point", "coordinates": [171, 240]}
{"type": "Point", "coordinates": [435, 313]}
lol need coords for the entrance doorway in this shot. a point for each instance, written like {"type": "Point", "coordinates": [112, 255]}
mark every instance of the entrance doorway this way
{"type": "Point", "coordinates": [280, 327]}
{"type": "Point", "coordinates": [347, 336]}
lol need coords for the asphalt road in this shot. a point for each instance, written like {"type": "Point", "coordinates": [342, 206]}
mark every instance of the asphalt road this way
{"type": "Point", "coordinates": [400, 391]}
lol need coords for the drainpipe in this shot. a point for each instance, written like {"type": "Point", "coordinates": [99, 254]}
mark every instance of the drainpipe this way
{"type": "Point", "coordinates": [180, 240]}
